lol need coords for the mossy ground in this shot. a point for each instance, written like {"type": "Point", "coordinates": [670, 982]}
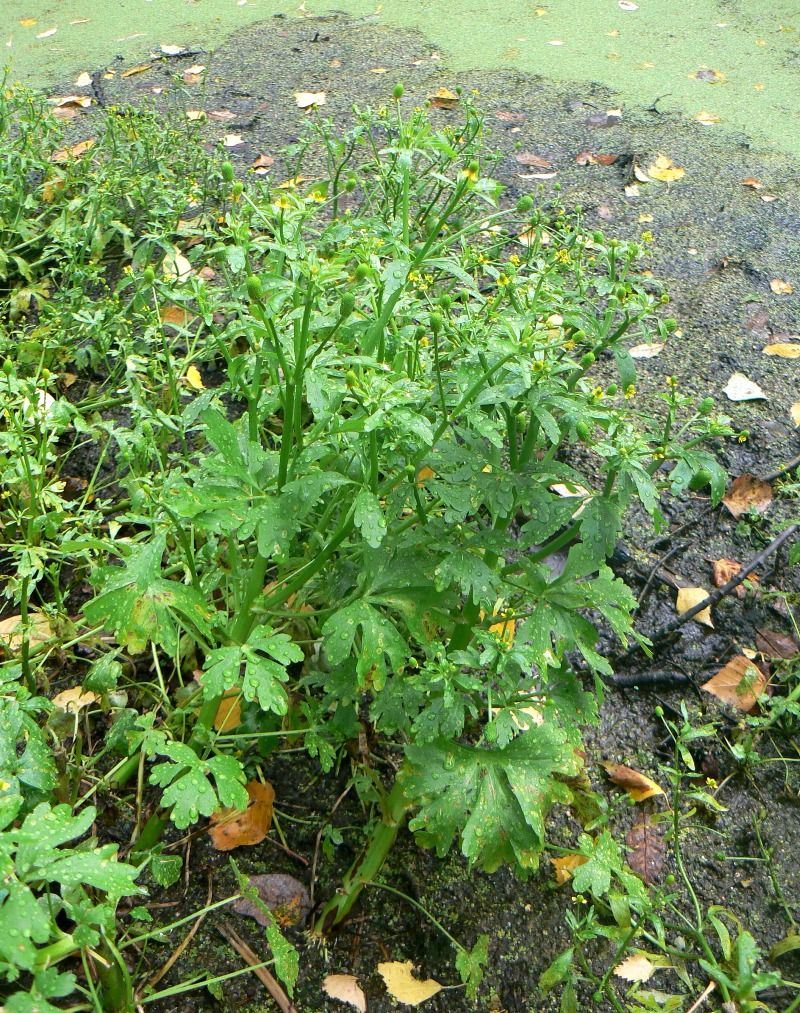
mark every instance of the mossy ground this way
{"type": "Point", "coordinates": [716, 244]}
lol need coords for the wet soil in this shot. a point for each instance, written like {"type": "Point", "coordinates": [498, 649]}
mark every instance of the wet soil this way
{"type": "Point", "coordinates": [716, 244]}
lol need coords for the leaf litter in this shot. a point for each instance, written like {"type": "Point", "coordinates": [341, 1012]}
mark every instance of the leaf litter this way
{"type": "Point", "coordinates": [401, 984]}
{"type": "Point", "coordinates": [739, 683]}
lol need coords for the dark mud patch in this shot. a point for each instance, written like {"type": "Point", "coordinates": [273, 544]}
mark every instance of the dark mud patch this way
{"type": "Point", "coordinates": [716, 244]}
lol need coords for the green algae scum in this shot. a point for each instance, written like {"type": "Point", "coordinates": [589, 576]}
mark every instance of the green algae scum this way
{"type": "Point", "coordinates": [730, 64]}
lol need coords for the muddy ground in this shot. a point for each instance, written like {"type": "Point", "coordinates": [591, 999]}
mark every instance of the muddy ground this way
{"type": "Point", "coordinates": [717, 244]}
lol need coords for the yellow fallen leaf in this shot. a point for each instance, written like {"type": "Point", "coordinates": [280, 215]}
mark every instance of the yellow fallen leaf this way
{"type": "Point", "coordinates": [345, 988]}
{"type": "Point", "coordinates": [565, 865]}
{"type": "Point", "coordinates": [233, 140]}
{"type": "Point", "coordinates": [193, 378]}
{"type": "Point", "coordinates": [83, 80]}
{"type": "Point", "coordinates": [75, 151]}
{"type": "Point", "coordinates": [74, 699]}
{"type": "Point", "coordinates": [638, 785]}
{"type": "Point", "coordinates": [665, 170]}
{"type": "Point", "coordinates": [783, 349]}
{"type": "Point", "coordinates": [707, 118]}
{"type": "Point", "coordinates": [443, 98]}
{"type": "Point", "coordinates": [39, 631]}
{"type": "Point", "coordinates": [688, 597]}
{"type": "Point", "coordinates": [71, 101]}
{"type": "Point", "coordinates": [403, 986]}
{"type": "Point", "coordinates": [27, 22]}
{"type": "Point", "coordinates": [635, 968]}
{"type": "Point", "coordinates": [175, 266]}
{"type": "Point", "coordinates": [309, 99]}
{"type": "Point", "coordinates": [781, 287]}
{"type": "Point", "coordinates": [140, 68]}
{"type": "Point", "coordinates": [195, 114]}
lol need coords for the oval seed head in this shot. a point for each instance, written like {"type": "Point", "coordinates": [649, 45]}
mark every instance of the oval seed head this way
{"type": "Point", "coordinates": [227, 172]}
{"type": "Point", "coordinates": [397, 91]}
{"type": "Point", "coordinates": [255, 289]}
{"type": "Point", "coordinates": [524, 204]}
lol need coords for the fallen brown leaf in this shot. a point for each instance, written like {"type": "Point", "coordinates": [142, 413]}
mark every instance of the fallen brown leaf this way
{"type": "Point", "coordinates": [725, 570]}
{"type": "Point", "coordinates": [637, 785]}
{"type": "Point", "coordinates": [565, 865]}
{"type": "Point", "coordinates": [587, 158]}
{"type": "Point", "coordinates": [75, 151]}
{"type": "Point", "coordinates": [773, 644]}
{"type": "Point", "coordinates": [345, 988]}
{"type": "Point", "coordinates": [531, 159]}
{"type": "Point", "coordinates": [739, 683]}
{"type": "Point", "coordinates": [646, 851]}
{"type": "Point", "coordinates": [234, 828]}
{"type": "Point", "coordinates": [74, 699]}
{"type": "Point", "coordinates": [443, 98]}
{"type": "Point", "coordinates": [285, 896]}
{"type": "Point", "coordinates": [747, 493]}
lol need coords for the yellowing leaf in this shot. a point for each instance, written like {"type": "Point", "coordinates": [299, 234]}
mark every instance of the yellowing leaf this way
{"type": "Point", "coordinates": [11, 628]}
{"type": "Point", "coordinates": [781, 287]}
{"type": "Point", "coordinates": [443, 98]}
{"type": "Point", "coordinates": [649, 350]}
{"type": "Point", "coordinates": [707, 118]}
{"type": "Point", "coordinates": [175, 266]}
{"type": "Point", "coordinates": [635, 968]}
{"type": "Point", "coordinates": [783, 349]}
{"type": "Point", "coordinates": [740, 388]}
{"type": "Point", "coordinates": [309, 99]}
{"type": "Point", "coordinates": [665, 170]}
{"type": "Point", "coordinates": [739, 683]}
{"type": "Point", "coordinates": [74, 699]}
{"type": "Point", "coordinates": [565, 865]}
{"type": "Point", "coordinates": [140, 68]}
{"type": "Point", "coordinates": [403, 986]}
{"type": "Point", "coordinates": [688, 597]}
{"type": "Point", "coordinates": [27, 22]}
{"type": "Point", "coordinates": [637, 785]}
{"type": "Point", "coordinates": [345, 988]}
{"type": "Point", "coordinates": [75, 151]}
{"type": "Point", "coordinates": [193, 378]}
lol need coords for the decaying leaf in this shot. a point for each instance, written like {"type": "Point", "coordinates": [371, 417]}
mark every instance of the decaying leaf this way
{"type": "Point", "coordinates": [780, 287]}
{"type": "Point", "coordinates": [403, 986]}
{"type": "Point", "coordinates": [588, 158]}
{"type": "Point", "coordinates": [74, 699]}
{"type": "Point", "coordinates": [262, 164]}
{"type": "Point", "coordinates": [74, 151]}
{"type": "Point", "coordinates": [194, 74]}
{"type": "Point", "coordinates": [636, 784]}
{"type": "Point", "coordinates": [177, 316]}
{"type": "Point", "coordinates": [529, 158]}
{"type": "Point", "coordinates": [234, 828]}
{"type": "Point", "coordinates": [649, 350]}
{"type": "Point", "coordinates": [345, 988]}
{"type": "Point", "coordinates": [222, 115]}
{"type": "Point", "coordinates": [646, 851]}
{"type": "Point", "coordinates": [285, 896]}
{"type": "Point", "coordinates": [39, 631]}
{"type": "Point", "coordinates": [773, 644]}
{"type": "Point", "coordinates": [740, 388]}
{"type": "Point", "coordinates": [443, 98]}
{"type": "Point", "coordinates": [747, 493]}
{"type": "Point", "coordinates": [195, 115]}
{"type": "Point", "coordinates": [610, 118]}
{"type": "Point", "coordinates": [309, 99]}
{"type": "Point", "coordinates": [665, 170]}
{"type": "Point", "coordinates": [175, 266]}
{"type": "Point", "coordinates": [83, 80]}
{"type": "Point", "coordinates": [233, 140]}
{"type": "Point", "coordinates": [688, 597]}
{"type": "Point", "coordinates": [71, 101]}
{"type": "Point", "coordinates": [708, 74]}
{"type": "Point", "coordinates": [565, 865]}
{"type": "Point", "coordinates": [229, 712]}
{"type": "Point", "coordinates": [509, 117]}
{"type": "Point", "coordinates": [636, 967]}
{"type": "Point", "coordinates": [739, 683]}
{"type": "Point", "coordinates": [725, 570]}
{"type": "Point", "coordinates": [707, 118]}
{"type": "Point", "coordinates": [783, 349]}
{"type": "Point", "coordinates": [753, 183]}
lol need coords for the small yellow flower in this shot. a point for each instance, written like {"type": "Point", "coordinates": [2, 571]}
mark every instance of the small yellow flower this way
{"type": "Point", "coordinates": [513, 259]}
{"type": "Point", "coordinates": [282, 204]}
{"type": "Point", "coordinates": [598, 392]}
{"type": "Point", "coordinates": [503, 280]}
{"type": "Point", "coordinates": [562, 256]}
{"type": "Point", "coordinates": [470, 174]}
{"type": "Point", "coordinates": [647, 236]}
{"type": "Point", "coordinates": [630, 391]}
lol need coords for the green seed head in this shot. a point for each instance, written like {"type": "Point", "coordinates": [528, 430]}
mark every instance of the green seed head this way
{"type": "Point", "coordinates": [351, 379]}
{"type": "Point", "coordinates": [397, 91]}
{"type": "Point", "coordinates": [582, 429]}
{"type": "Point", "coordinates": [227, 172]}
{"type": "Point", "coordinates": [236, 189]}
{"type": "Point", "coordinates": [350, 184]}
{"type": "Point", "coordinates": [524, 204]}
{"type": "Point", "coordinates": [255, 289]}
{"type": "Point", "coordinates": [446, 302]}
{"type": "Point", "coordinates": [436, 322]}
{"type": "Point", "coordinates": [347, 304]}
{"type": "Point", "coordinates": [148, 276]}
{"type": "Point", "coordinates": [671, 324]}
{"type": "Point", "coordinates": [361, 272]}
{"type": "Point", "coordinates": [587, 360]}
{"type": "Point", "coordinates": [706, 406]}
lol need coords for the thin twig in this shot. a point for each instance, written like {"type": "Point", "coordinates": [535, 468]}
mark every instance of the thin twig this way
{"type": "Point", "coordinates": [717, 595]}
{"type": "Point", "coordinates": [782, 471]}
{"type": "Point", "coordinates": [271, 984]}
{"type": "Point", "coordinates": [703, 996]}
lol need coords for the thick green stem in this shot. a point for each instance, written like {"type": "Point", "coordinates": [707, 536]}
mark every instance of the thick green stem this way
{"type": "Point", "coordinates": [365, 870]}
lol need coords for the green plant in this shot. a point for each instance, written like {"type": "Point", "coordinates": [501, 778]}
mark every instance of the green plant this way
{"type": "Point", "coordinates": [397, 485]}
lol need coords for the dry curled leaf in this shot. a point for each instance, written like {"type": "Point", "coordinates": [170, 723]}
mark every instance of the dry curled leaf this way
{"type": "Point", "coordinates": [747, 493]}
{"type": "Point", "coordinates": [741, 388]}
{"type": "Point", "coordinates": [725, 570]}
{"type": "Point", "coordinates": [688, 597]}
{"type": "Point", "coordinates": [443, 98]}
{"type": "Point", "coordinates": [753, 183]}
{"type": "Point", "coordinates": [609, 118]}
{"type": "Point", "coordinates": [403, 986]}
{"type": "Point", "coordinates": [74, 699]}
{"type": "Point", "coordinates": [345, 988]}
{"type": "Point", "coordinates": [646, 851]}
{"type": "Point", "coordinates": [565, 865]}
{"type": "Point", "coordinates": [589, 158]}
{"type": "Point", "coordinates": [780, 287]}
{"type": "Point", "coordinates": [739, 683]}
{"type": "Point", "coordinates": [636, 967]}
{"type": "Point", "coordinates": [309, 99]}
{"type": "Point", "coordinates": [140, 68]}
{"type": "Point", "coordinates": [262, 164]}
{"type": "Point", "coordinates": [649, 350]}
{"type": "Point", "coordinates": [636, 784]}
{"type": "Point", "coordinates": [783, 349]}
{"type": "Point", "coordinates": [529, 158]}
{"type": "Point", "coordinates": [773, 644]}
{"type": "Point", "coordinates": [234, 828]}
{"type": "Point", "coordinates": [285, 896]}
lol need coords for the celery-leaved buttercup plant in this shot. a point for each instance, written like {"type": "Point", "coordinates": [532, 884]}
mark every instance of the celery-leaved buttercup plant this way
{"type": "Point", "coordinates": [398, 505]}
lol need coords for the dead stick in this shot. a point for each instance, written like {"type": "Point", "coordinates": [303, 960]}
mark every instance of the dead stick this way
{"type": "Point", "coordinates": [271, 984]}
{"type": "Point", "coordinates": [720, 592]}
